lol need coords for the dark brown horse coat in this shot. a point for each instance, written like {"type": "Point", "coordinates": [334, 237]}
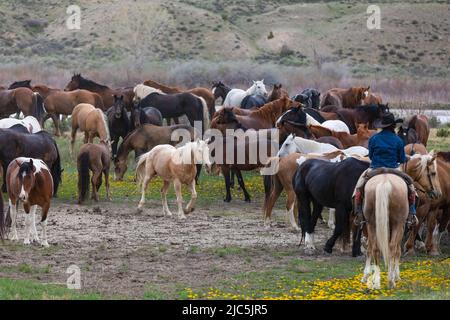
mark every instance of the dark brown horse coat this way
{"type": "Point", "coordinates": [20, 99]}
{"type": "Point", "coordinates": [345, 98]}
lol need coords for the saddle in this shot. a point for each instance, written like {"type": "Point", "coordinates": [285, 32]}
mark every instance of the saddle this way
{"type": "Point", "coordinates": [375, 172]}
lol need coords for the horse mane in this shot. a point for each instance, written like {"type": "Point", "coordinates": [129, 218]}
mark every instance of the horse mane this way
{"type": "Point", "coordinates": [162, 86]}
{"type": "Point", "coordinates": [268, 110]}
{"type": "Point", "coordinates": [105, 123]}
{"type": "Point", "coordinates": [89, 83]}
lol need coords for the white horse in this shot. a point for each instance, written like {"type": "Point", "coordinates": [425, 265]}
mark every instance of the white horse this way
{"type": "Point", "coordinates": [30, 122]}
{"type": "Point", "coordinates": [296, 144]}
{"type": "Point", "coordinates": [235, 96]}
{"type": "Point", "coordinates": [141, 91]}
{"type": "Point", "coordinates": [177, 165]}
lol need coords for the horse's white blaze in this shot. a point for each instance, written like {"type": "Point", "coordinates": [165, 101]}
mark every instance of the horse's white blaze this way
{"type": "Point", "coordinates": [366, 94]}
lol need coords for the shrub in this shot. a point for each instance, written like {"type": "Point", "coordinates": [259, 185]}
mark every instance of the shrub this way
{"type": "Point", "coordinates": [434, 122]}
{"type": "Point", "coordinates": [443, 133]}
{"type": "Point", "coordinates": [270, 36]}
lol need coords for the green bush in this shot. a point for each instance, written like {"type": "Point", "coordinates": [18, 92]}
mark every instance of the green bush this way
{"type": "Point", "coordinates": [434, 122]}
{"type": "Point", "coordinates": [443, 133]}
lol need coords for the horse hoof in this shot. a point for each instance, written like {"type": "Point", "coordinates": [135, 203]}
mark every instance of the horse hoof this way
{"type": "Point", "coordinates": [227, 200]}
{"type": "Point", "coordinates": [248, 200]}
{"type": "Point", "coordinates": [328, 250]}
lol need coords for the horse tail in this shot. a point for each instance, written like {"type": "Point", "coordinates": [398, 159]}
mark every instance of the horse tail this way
{"type": "Point", "coordinates": [56, 170]}
{"type": "Point", "coordinates": [38, 106]}
{"type": "Point", "coordinates": [382, 193]}
{"type": "Point", "coordinates": [83, 176]}
{"type": "Point", "coordinates": [140, 167]}
{"type": "Point", "coordinates": [206, 121]}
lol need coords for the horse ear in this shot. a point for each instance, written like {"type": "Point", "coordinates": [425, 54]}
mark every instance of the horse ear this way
{"type": "Point", "coordinates": [368, 88]}
{"type": "Point", "coordinates": [32, 165]}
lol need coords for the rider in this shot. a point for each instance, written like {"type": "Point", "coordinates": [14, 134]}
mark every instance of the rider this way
{"type": "Point", "coordinates": [386, 150]}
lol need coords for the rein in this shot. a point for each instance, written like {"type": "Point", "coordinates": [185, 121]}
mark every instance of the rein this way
{"type": "Point", "coordinates": [405, 167]}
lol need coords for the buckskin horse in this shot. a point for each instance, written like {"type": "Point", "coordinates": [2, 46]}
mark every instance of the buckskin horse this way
{"type": "Point", "coordinates": [107, 94]}
{"type": "Point", "coordinates": [39, 145]}
{"type": "Point", "coordinates": [29, 181]}
{"type": "Point", "coordinates": [204, 93]}
{"type": "Point", "coordinates": [345, 98]}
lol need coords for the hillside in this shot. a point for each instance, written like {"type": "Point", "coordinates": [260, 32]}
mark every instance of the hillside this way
{"type": "Point", "coordinates": [414, 38]}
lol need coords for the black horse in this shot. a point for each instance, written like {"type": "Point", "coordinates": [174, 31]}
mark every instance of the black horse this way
{"type": "Point", "coordinates": [361, 114]}
{"type": "Point", "coordinates": [331, 185]}
{"type": "Point", "coordinates": [147, 115]}
{"type": "Point", "coordinates": [177, 105]}
{"type": "Point", "coordinates": [20, 84]}
{"type": "Point", "coordinates": [253, 101]}
{"type": "Point", "coordinates": [309, 97]}
{"type": "Point", "coordinates": [14, 144]}
{"type": "Point", "coordinates": [118, 122]}
{"type": "Point", "coordinates": [220, 90]}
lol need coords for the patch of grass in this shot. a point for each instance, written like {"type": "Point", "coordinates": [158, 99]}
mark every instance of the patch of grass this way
{"type": "Point", "coordinates": [443, 133]}
{"type": "Point", "coordinates": [27, 269]}
{"type": "Point", "coordinates": [225, 251]}
{"type": "Point", "coordinates": [152, 293]}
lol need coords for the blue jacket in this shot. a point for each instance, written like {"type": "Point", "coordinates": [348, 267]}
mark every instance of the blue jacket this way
{"type": "Point", "coordinates": [386, 150]}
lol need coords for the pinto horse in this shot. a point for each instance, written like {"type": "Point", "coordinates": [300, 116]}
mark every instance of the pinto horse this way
{"type": "Point", "coordinates": [219, 90]}
{"type": "Point", "coordinates": [97, 158]}
{"type": "Point", "coordinates": [21, 100]}
{"type": "Point", "coordinates": [107, 94]}
{"type": "Point", "coordinates": [30, 122]}
{"type": "Point", "coordinates": [92, 122]}
{"type": "Point", "coordinates": [177, 165]}
{"type": "Point", "coordinates": [29, 180]}
{"type": "Point", "coordinates": [345, 98]}
{"type": "Point", "coordinates": [118, 123]}
{"type": "Point", "coordinates": [235, 96]}
{"type": "Point", "coordinates": [204, 93]}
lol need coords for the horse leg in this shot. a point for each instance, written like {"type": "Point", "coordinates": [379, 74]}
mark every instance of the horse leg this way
{"type": "Point", "coordinates": [191, 204]}
{"type": "Point", "coordinates": [72, 139]}
{"type": "Point", "coordinates": [199, 171]}
{"type": "Point", "coordinates": [5, 167]}
{"type": "Point", "coordinates": [26, 240]}
{"type": "Point", "coordinates": [395, 253]}
{"type": "Point", "coordinates": [56, 122]}
{"type": "Point", "coordinates": [432, 229]}
{"type": "Point", "coordinates": [177, 185]}
{"type": "Point", "coordinates": [226, 176]}
{"type": "Point", "coordinates": [165, 187]}
{"type": "Point", "coordinates": [34, 232]}
{"type": "Point", "coordinates": [96, 176]}
{"type": "Point", "coordinates": [367, 269]}
{"type": "Point", "coordinates": [45, 208]}
{"type": "Point", "coordinates": [332, 218]}
{"type": "Point", "coordinates": [304, 216]}
{"type": "Point", "coordinates": [108, 192]}
{"type": "Point", "coordinates": [341, 212]}
{"type": "Point", "coordinates": [144, 186]}
{"type": "Point", "coordinates": [290, 204]}
{"type": "Point", "coordinates": [13, 207]}
{"type": "Point", "coordinates": [270, 203]}
{"type": "Point", "coordinates": [114, 147]}
{"type": "Point", "coordinates": [242, 185]}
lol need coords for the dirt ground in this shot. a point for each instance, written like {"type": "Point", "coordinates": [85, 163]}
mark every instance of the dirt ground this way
{"type": "Point", "coordinates": [122, 252]}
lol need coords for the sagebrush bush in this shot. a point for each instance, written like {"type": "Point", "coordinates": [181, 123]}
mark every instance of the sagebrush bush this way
{"type": "Point", "coordinates": [443, 133]}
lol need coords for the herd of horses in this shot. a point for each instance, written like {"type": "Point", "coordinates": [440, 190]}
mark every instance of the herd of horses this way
{"type": "Point", "coordinates": [321, 144]}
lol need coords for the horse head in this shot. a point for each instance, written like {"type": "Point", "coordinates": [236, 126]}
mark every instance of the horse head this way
{"type": "Point", "coordinates": [74, 82]}
{"type": "Point", "coordinates": [361, 93]}
{"type": "Point", "coordinates": [118, 106]}
{"type": "Point", "coordinates": [258, 88]}
{"type": "Point", "coordinates": [26, 179]}
{"type": "Point", "coordinates": [201, 154]}
{"type": "Point", "coordinates": [423, 170]}
{"type": "Point", "coordinates": [120, 167]}
{"type": "Point", "coordinates": [288, 146]}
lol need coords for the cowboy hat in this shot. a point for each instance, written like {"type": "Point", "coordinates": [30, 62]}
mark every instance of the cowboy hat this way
{"type": "Point", "coordinates": [387, 120]}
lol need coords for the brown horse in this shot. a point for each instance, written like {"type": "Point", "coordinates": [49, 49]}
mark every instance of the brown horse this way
{"type": "Point", "coordinates": [345, 98]}
{"type": "Point", "coordinates": [420, 124]}
{"type": "Point", "coordinates": [63, 103]}
{"type": "Point", "coordinates": [96, 158]}
{"type": "Point", "coordinates": [92, 121]}
{"type": "Point", "coordinates": [282, 180]}
{"type": "Point", "coordinates": [373, 98]}
{"type": "Point", "coordinates": [361, 138]}
{"type": "Point", "coordinates": [30, 181]}
{"type": "Point", "coordinates": [42, 89]}
{"type": "Point", "coordinates": [415, 148]}
{"type": "Point", "coordinates": [277, 93]}
{"type": "Point", "coordinates": [385, 211]}
{"type": "Point", "coordinates": [143, 139]}
{"type": "Point", "coordinates": [21, 100]}
{"type": "Point", "coordinates": [266, 116]}
{"type": "Point", "coordinates": [107, 94]}
{"type": "Point", "coordinates": [200, 91]}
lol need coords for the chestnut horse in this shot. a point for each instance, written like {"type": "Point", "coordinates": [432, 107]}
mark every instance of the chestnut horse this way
{"type": "Point", "coordinates": [277, 93]}
{"type": "Point", "coordinates": [42, 89]}
{"type": "Point", "coordinates": [107, 94]}
{"type": "Point", "coordinates": [62, 103]}
{"type": "Point", "coordinates": [21, 100]}
{"type": "Point", "coordinates": [97, 158]}
{"type": "Point", "coordinates": [361, 138]}
{"type": "Point", "coordinates": [30, 181]}
{"type": "Point", "coordinates": [200, 92]}
{"type": "Point", "coordinates": [92, 121]}
{"type": "Point", "coordinates": [345, 98]}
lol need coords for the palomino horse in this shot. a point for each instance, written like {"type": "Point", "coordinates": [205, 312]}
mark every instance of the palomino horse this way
{"type": "Point", "coordinates": [219, 90]}
{"type": "Point", "coordinates": [345, 98]}
{"type": "Point", "coordinates": [96, 158]}
{"type": "Point", "coordinates": [385, 210]}
{"type": "Point", "coordinates": [91, 121]}
{"type": "Point", "coordinates": [21, 100]}
{"type": "Point", "coordinates": [174, 105]}
{"type": "Point", "coordinates": [177, 165]}
{"type": "Point", "coordinates": [235, 96]}
{"type": "Point", "coordinates": [107, 94]}
{"type": "Point", "coordinates": [30, 122]}
{"type": "Point", "coordinates": [361, 138]}
{"type": "Point", "coordinates": [118, 123]}
{"type": "Point", "coordinates": [204, 93]}
{"type": "Point", "coordinates": [143, 139]}
{"type": "Point", "coordinates": [415, 130]}
{"type": "Point", "coordinates": [29, 180]}
{"type": "Point", "coordinates": [62, 103]}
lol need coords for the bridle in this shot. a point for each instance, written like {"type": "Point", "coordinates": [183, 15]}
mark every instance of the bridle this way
{"type": "Point", "coordinates": [417, 185]}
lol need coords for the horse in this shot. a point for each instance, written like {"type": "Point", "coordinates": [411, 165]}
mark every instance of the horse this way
{"type": "Point", "coordinates": [201, 92]}
{"type": "Point", "coordinates": [118, 123]}
{"type": "Point", "coordinates": [235, 96]}
{"type": "Point", "coordinates": [30, 122]}
{"type": "Point", "coordinates": [329, 185]}
{"type": "Point", "coordinates": [63, 103]}
{"type": "Point", "coordinates": [148, 115]}
{"type": "Point", "coordinates": [362, 114]}
{"type": "Point", "coordinates": [253, 102]}
{"type": "Point", "coordinates": [385, 211]}
{"type": "Point", "coordinates": [29, 181]}
{"type": "Point", "coordinates": [96, 158]}
{"type": "Point", "coordinates": [277, 93]}
{"type": "Point", "coordinates": [282, 180]}
{"type": "Point", "coordinates": [176, 105]}
{"type": "Point", "coordinates": [107, 94]}
{"type": "Point", "coordinates": [143, 139]}
{"type": "Point", "coordinates": [92, 122]}
{"type": "Point", "coordinates": [321, 116]}
{"type": "Point", "coordinates": [42, 89]}
{"type": "Point", "coordinates": [361, 138]}
{"type": "Point", "coordinates": [415, 130]}
{"type": "Point", "coordinates": [309, 97]}
{"type": "Point", "coordinates": [296, 144]}
{"type": "Point", "coordinates": [220, 90]}
{"type": "Point", "coordinates": [177, 165]}
{"type": "Point", "coordinates": [39, 145]}
{"type": "Point", "coordinates": [345, 98]}
{"type": "Point", "coordinates": [21, 100]}
{"type": "Point", "coordinates": [372, 98]}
